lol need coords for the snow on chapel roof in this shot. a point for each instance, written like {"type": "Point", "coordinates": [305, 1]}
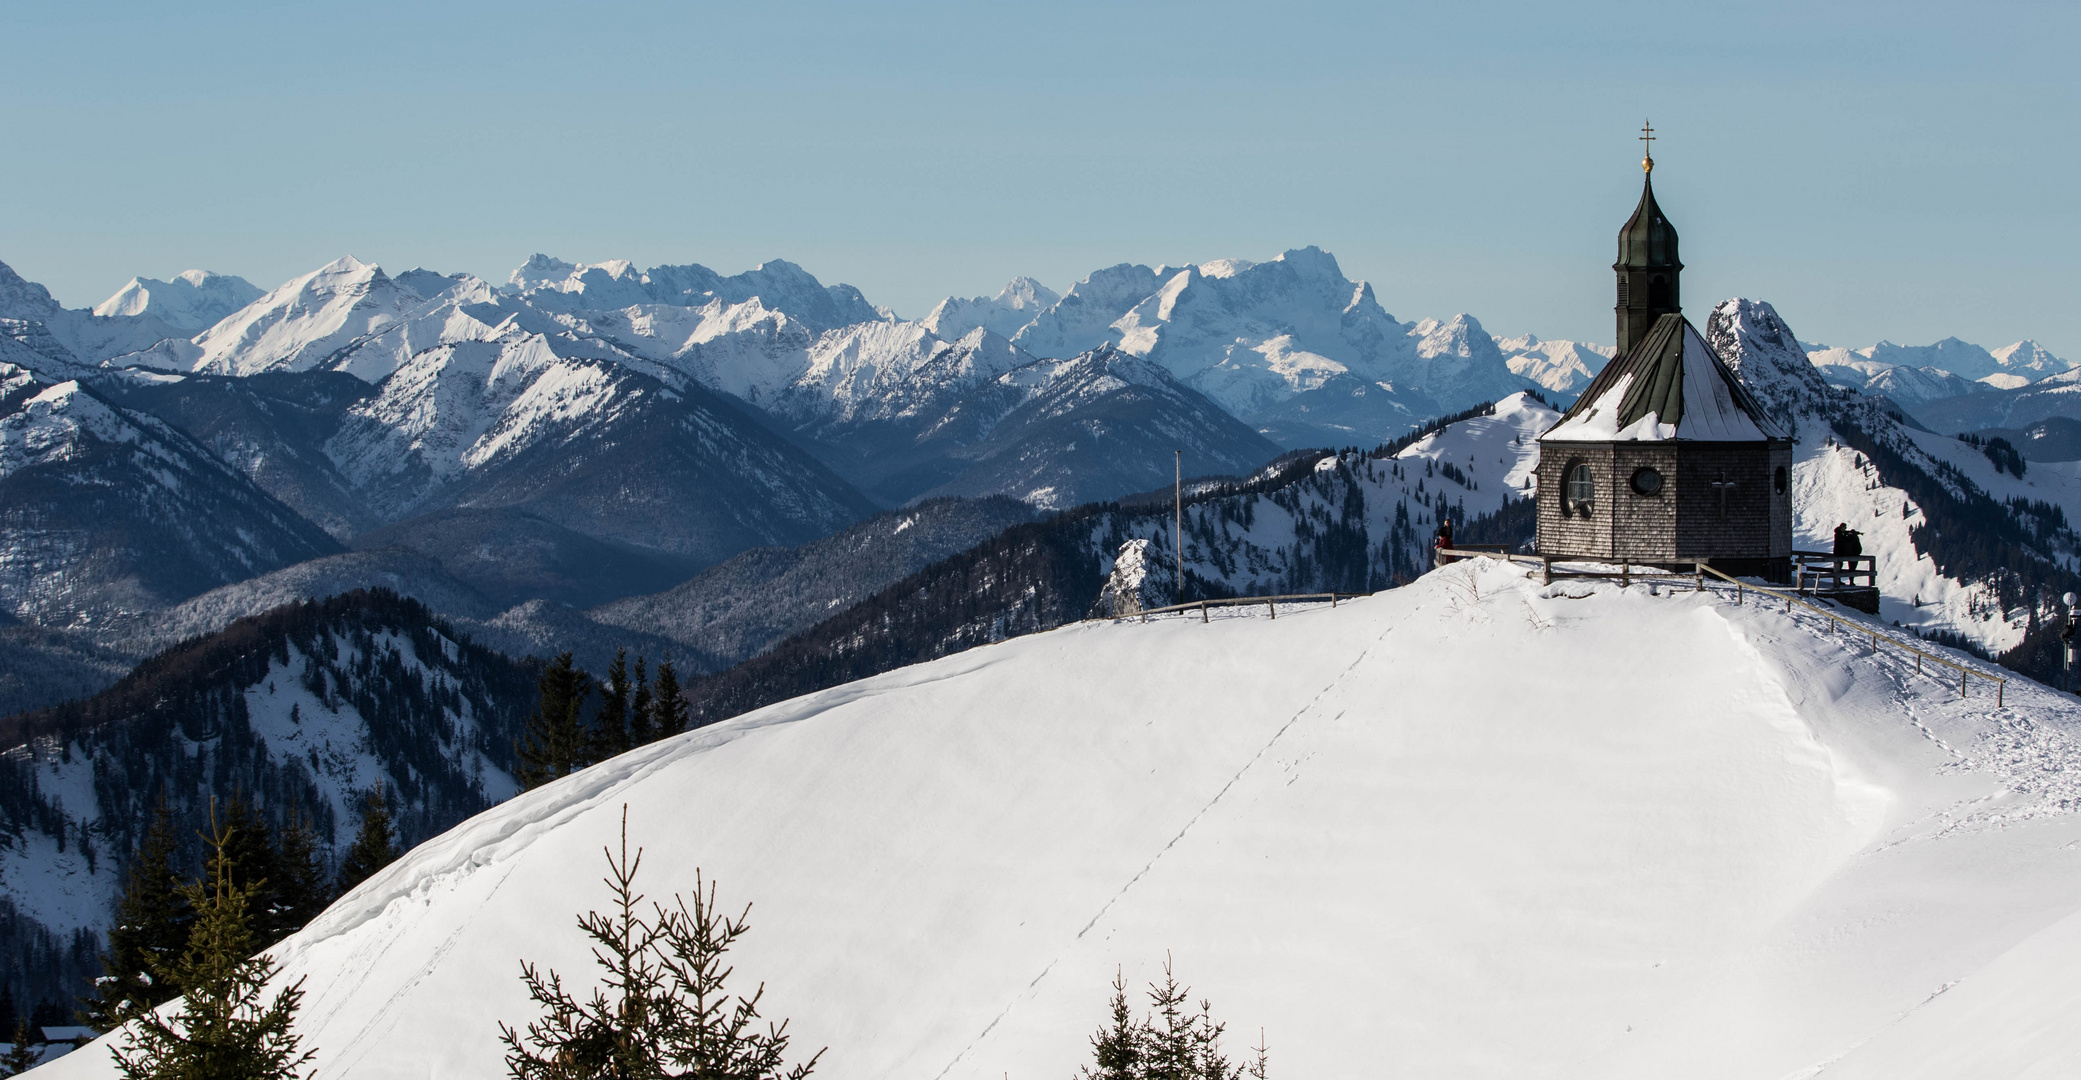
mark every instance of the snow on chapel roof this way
{"type": "Point", "coordinates": [1670, 386]}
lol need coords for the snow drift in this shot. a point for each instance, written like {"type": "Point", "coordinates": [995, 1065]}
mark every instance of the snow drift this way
{"type": "Point", "coordinates": [1471, 827]}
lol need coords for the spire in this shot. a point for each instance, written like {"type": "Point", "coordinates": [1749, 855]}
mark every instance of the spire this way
{"type": "Point", "coordinates": [1647, 267]}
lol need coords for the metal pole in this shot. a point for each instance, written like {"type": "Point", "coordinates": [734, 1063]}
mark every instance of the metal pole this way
{"type": "Point", "coordinates": [1178, 520]}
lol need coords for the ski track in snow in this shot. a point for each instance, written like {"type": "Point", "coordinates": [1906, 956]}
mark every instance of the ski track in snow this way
{"type": "Point", "coordinates": [1186, 828]}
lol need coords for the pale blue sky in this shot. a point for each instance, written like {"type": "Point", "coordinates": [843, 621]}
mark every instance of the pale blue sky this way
{"type": "Point", "coordinates": [1876, 170]}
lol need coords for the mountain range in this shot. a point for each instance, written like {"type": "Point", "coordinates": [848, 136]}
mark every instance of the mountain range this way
{"type": "Point", "coordinates": [458, 485]}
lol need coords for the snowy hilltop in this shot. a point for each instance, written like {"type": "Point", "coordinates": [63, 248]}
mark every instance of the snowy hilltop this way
{"type": "Point", "coordinates": [1375, 831]}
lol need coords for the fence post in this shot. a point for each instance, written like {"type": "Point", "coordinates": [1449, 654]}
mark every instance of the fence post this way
{"type": "Point", "coordinates": [1625, 575]}
{"type": "Point", "coordinates": [1333, 599]}
{"type": "Point", "coordinates": [1203, 611]}
{"type": "Point", "coordinates": [1273, 606]}
{"type": "Point", "coordinates": [1547, 562]}
{"type": "Point", "coordinates": [1962, 673]}
{"type": "Point", "coordinates": [1999, 686]}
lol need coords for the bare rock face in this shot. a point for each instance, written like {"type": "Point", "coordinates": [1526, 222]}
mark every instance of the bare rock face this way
{"type": "Point", "coordinates": [1133, 587]}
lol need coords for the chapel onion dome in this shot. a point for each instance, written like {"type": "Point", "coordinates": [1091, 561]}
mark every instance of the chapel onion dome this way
{"type": "Point", "coordinates": [1648, 240]}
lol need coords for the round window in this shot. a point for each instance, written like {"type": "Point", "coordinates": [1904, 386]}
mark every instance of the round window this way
{"type": "Point", "coordinates": [1647, 481]}
{"type": "Point", "coordinates": [1582, 488]}
{"type": "Point", "coordinates": [1777, 480]}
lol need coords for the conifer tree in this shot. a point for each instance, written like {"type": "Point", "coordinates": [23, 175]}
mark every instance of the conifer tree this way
{"type": "Point", "coordinates": [252, 856]}
{"type": "Point", "coordinates": [22, 1056]}
{"type": "Point", "coordinates": [303, 890]}
{"type": "Point", "coordinates": [1116, 1050]}
{"type": "Point", "coordinates": [151, 928]}
{"type": "Point", "coordinates": [611, 725]}
{"type": "Point", "coordinates": [555, 743]}
{"type": "Point", "coordinates": [641, 730]}
{"type": "Point", "coordinates": [661, 1009]}
{"type": "Point", "coordinates": [713, 1035]}
{"type": "Point", "coordinates": [1174, 1043]}
{"type": "Point", "coordinates": [375, 845]}
{"type": "Point", "coordinates": [223, 1029]}
{"type": "Point", "coordinates": [668, 707]}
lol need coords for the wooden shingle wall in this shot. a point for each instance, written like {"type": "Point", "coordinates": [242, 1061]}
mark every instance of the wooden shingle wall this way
{"type": "Point", "coordinates": [1744, 521]}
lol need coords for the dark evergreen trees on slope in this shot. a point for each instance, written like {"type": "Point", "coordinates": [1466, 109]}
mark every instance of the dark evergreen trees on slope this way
{"type": "Point", "coordinates": [641, 728]}
{"type": "Point", "coordinates": [667, 702]}
{"type": "Point", "coordinates": [375, 845]}
{"type": "Point", "coordinates": [662, 1009]}
{"type": "Point", "coordinates": [151, 928]}
{"type": "Point", "coordinates": [611, 733]}
{"type": "Point", "coordinates": [224, 1029]}
{"type": "Point", "coordinates": [304, 888]}
{"type": "Point", "coordinates": [436, 711]}
{"type": "Point", "coordinates": [23, 1055]}
{"type": "Point", "coordinates": [179, 722]}
{"type": "Point", "coordinates": [556, 742]}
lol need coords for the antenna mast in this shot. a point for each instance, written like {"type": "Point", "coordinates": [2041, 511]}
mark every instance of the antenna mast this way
{"type": "Point", "coordinates": [1178, 520]}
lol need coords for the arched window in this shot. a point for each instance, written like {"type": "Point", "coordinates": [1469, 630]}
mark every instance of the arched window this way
{"type": "Point", "coordinates": [1581, 490]}
{"type": "Point", "coordinates": [1622, 292]}
{"type": "Point", "coordinates": [1777, 480]}
{"type": "Point", "coordinates": [1658, 293]}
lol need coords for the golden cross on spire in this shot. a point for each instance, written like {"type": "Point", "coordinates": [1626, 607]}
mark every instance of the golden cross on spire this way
{"type": "Point", "coordinates": [1647, 138]}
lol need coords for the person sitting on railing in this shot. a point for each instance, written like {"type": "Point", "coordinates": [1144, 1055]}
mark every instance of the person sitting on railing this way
{"type": "Point", "coordinates": [1443, 543]}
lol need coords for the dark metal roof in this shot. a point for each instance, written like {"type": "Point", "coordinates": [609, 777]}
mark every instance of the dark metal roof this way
{"type": "Point", "coordinates": [1657, 367]}
{"type": "Point", "coordinates": [1647, 239]}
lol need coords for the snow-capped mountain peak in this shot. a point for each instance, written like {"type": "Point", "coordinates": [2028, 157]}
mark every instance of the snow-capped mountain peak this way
{"type": "Point", "coordinates": [305, 321]}
{"type": "Point", "coordinates": [193, 300]}
{"type": "Point", "coordinates": [1005, 314]}
{"type": "Point", "coordinates": [21, 298]}
{"type": "Point", "coordinates": [1564, 367]}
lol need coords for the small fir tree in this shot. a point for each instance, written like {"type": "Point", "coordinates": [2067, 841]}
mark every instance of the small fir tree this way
{"type": "Point", "coordinates": [555, 742]}
{"type": "Point", "coordinates": [1116, 1051]}
{"type": "Point", "coordinates": [375, 845]}
{"type": "Point", "coordinates": [151, 929]}
{"type": "Point", "coordinates": [641, 729]}
{"type": "Point", "coordinates": [23, 1055]}
{"type": "Point", "coordinates": [661, 1009]}
{"type": "Point", "coordinates": [667, 705]}
{"type": "Point", "coordinates": [611, 725]}
{"type": "Point", "coordinates": [1172, 1043]}
{"type": "Point", "coordinates": [223, 1030]}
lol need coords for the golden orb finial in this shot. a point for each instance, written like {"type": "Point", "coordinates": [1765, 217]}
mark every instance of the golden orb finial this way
{"type": "Point", "coordinates": [1647, 137]}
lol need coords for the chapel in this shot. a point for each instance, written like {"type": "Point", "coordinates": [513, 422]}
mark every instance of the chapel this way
{"type": "Point", "coordinates": [1666, 458]}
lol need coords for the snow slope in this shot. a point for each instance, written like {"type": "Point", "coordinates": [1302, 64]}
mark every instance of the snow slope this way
{"type": "Point", "coordinates": [1564, 367]}
{"type": "Point", "coordinates": [301, 324]}
{"type": "Point", "coordinates": [1834, 483]}
{"type": "Point", "coordinates": [1468, 828]}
